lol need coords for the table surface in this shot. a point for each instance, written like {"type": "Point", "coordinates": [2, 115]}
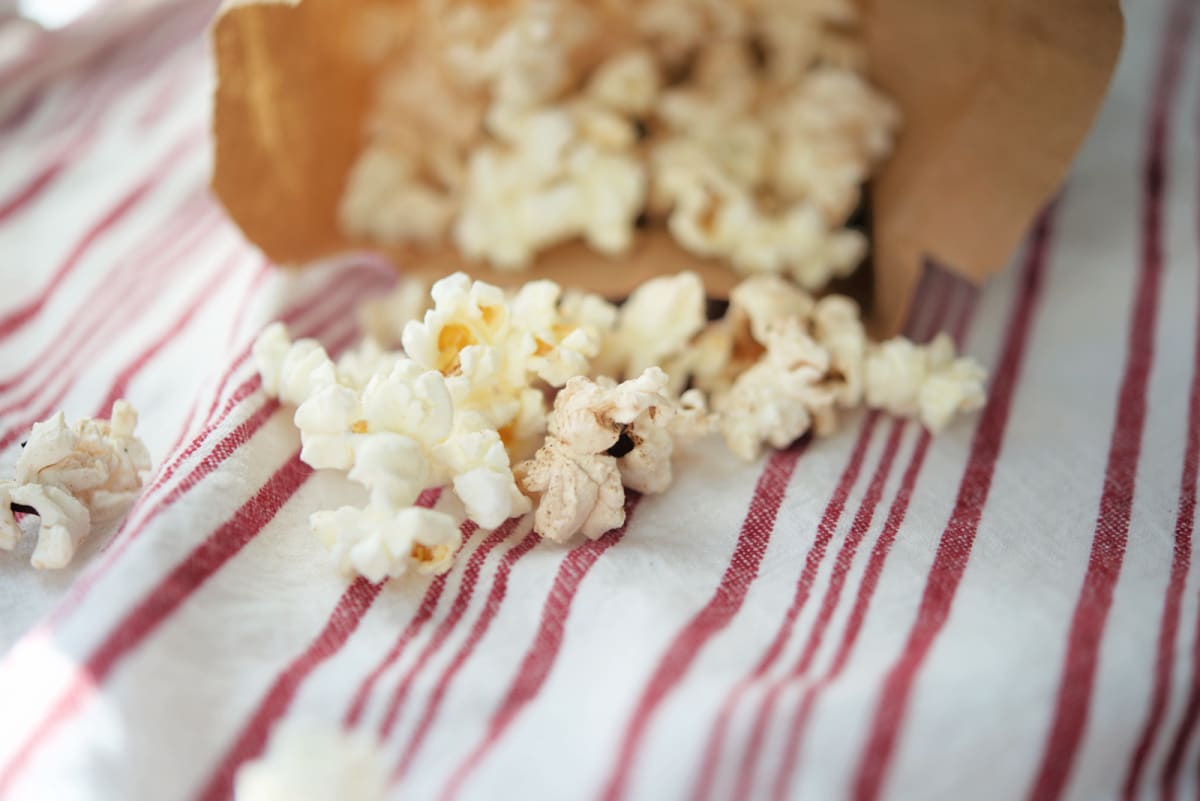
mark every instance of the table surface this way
{"type": "Point", "coordinates": [1008, 610]}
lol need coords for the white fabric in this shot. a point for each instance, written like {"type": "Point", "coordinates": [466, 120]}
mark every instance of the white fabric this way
{"type": "Point", "coordinates": [164, 656]}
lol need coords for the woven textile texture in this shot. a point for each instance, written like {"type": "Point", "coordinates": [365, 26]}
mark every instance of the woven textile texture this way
{"type": "Point", "coordinates": [1006, 611]}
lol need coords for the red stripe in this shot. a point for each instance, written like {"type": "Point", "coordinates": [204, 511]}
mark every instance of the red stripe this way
{"type": "Point", "coordinates": [67, 155]}
{"type": "Point", "coordinates": [929, 310]}
{"type": "Point", "coordinates": [223, 450]}
{"type": "Point", "coordinates": [1185, 520]}
{"type": "Point", "coordinates": [24, 196]}
{"type": "Point", "coordinates": [345, 619]}
{"type": "Point", "coordinates": [349, 612]}
{"type": "Point", "coordinates": [1169, 781]}
{"type": "Point", "coordinates": [345, 293]}
{"type": "Point", "coordinates": [16, 318]}
{"type": "Point", "coordinates": [46, 392]}
{"type": "Point", "coordinates": [148, 257]}
{"type": "Point", "coordinates": [239, 318]}
{"type": "Point", "coordinates": [816, 554]}
{"type": "Point", "coordinates": [491, 608]}
{"type": "Point", "coordinates": [154, 34]}
{"type": "Point", "coordinates": [1120, 474]}
{"type": "Point", "coordinates": [547, 642]}
{"type": "Point", "coordinates": [166, 96]}
{"type": "Point", "coordinates": [841, 567]}
{"type": "Point", "coordinates": [21, 113]}
{"type": "Point", "coordinates": [176, 587]}
{"type": "Point", "coordinates": [458, 608]}
{"type": "Point", "coordinates": [120, 385]}
{"type": "Point", "coordinates": [87, 107]}
{"type": "Point", "coordinates": [870, 579]}
{"type": "Point", "coordinates": [87, 112]}
{"type": "Point", "coordinates": [721, 607]}
{"type": "Point", "coordinates": [78, 359]}
{"type": "Point", "coordinates": [424, 613]}
{"type": "Point", "coordinates": [1169, 626]}
{"type": "Point", "coordinates": [340, 284]}
{"type": "Point", "coordinates": [959, 535]}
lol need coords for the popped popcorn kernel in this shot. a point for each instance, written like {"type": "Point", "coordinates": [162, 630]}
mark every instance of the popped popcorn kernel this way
{"type": "Point", "coordinates": [464, 314]}
{"type": "Point", "coordinates": [310, 762]}
{"type": "Point", "coordinates": [927, 382]}
{"type": "Point", "coordinates": [482, 476]}
{"type": "Point", "coordinates": [602, 437]}
{"type": "Point", "coordinates": [655, 323]}
{"type": "Point", "coordinates": [777, 400]}
{"type": "Point", "coordinates": [74, 476]}
{"type": "Point", "coordinates": [291, 371]}
{"type": "Point", "coordinates": [628, 82]}
{"type": "Point", "coordinates": [378, 542]}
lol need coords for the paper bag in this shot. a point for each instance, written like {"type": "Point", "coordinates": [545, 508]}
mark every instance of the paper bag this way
{"type": "Point", "coordinates": [996, 96]}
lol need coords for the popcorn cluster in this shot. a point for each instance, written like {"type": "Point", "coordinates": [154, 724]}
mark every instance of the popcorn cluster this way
{"type": "Point", "coordinates": [73, 477]}
{"type": "Point", "coordinates": [465, 398]}
{"type": "Point", "coordinates": [558, 402]}
{"type": "Point", "coordinates": [745, 129]}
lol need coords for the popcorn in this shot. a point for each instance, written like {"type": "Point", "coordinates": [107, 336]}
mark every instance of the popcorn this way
{"type": "Point", "coordinates": [654, 324]}
{"type": "Point", "coordinates": [73, 476]}
{"type": "Point", "coordinates": [380, 542]}
{"type": "Point", "coordinates": [761, 300]}
{"type": "Point", "coordinates": [386, 202]}
{"type": "Point", "coordinates": [483, 478]}
{"type": "Point", "coordinates": [561, 349]}
{"type": "Point", "coordinates": [712, 215]}
{"type": "Point", "coordinates": [548, 185]}
{"type": "Point", "coordinates": [527, 63]}
{"type": "Point", "coordinates": [577, 492]}
{"type": "Point", "coordinates": [833, 129]}
{"type": "Point", "coordinates": [747, 126]}
{"type": "Point", "coordinates": [676, 28]}
{"type": "Point", "coordinates": [926, 382]}
{"type": "Point", "coordinates": [465, 404]}
{"type": "Point", "coordinates": [394, 467]}
{"type": "Point", "coordinates": [308, 762]}
{"type": "Point", "coordinates": [837, 325]}
{"type": "Point", "coordinates": [799, 35]}
{"type": "Point", "coordinates": [778, 399]}
{"type": "Point", "coordinates": [464, 313]}
{"type": "Point", "coordinates": [292, 371]}
{"type": "Point", "coordinates": [327, 420]}
{"type": "Point", "coordinates": [628, 82]}
{"type": "Point", "coordinates": [588, 311]}
{"type": "Point", "coordinates": [64, 522]}
{"type": "Point", "coordinates": [603, 435]}
{"type": "Point", "coordinates": [729, 346]}
{"type": "Point", "coordinates": [408, 400]}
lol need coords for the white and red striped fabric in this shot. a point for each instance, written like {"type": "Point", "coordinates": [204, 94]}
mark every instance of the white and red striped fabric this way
{"type": "Point", "coordinates": [1008, 611]}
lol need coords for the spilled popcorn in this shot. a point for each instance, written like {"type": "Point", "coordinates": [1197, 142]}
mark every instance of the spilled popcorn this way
{"type": "Point", "coordinates": [308, 762]}
{"type": "Point", "coordinates": [558, 402]}
{"type": "Point", "coordinates": [602, 437]}
{"type": "Point", "coordinates": [73, 477]}
{"type": "Point", "coordinates": [746, 130]}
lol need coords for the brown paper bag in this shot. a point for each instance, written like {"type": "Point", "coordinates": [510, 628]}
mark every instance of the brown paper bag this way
{"type": "Point", "coordinates": [996, 94]}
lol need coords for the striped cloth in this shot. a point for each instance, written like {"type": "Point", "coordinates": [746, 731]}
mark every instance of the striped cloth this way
{"type": "Point", "coordinates": [1009, 611]}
